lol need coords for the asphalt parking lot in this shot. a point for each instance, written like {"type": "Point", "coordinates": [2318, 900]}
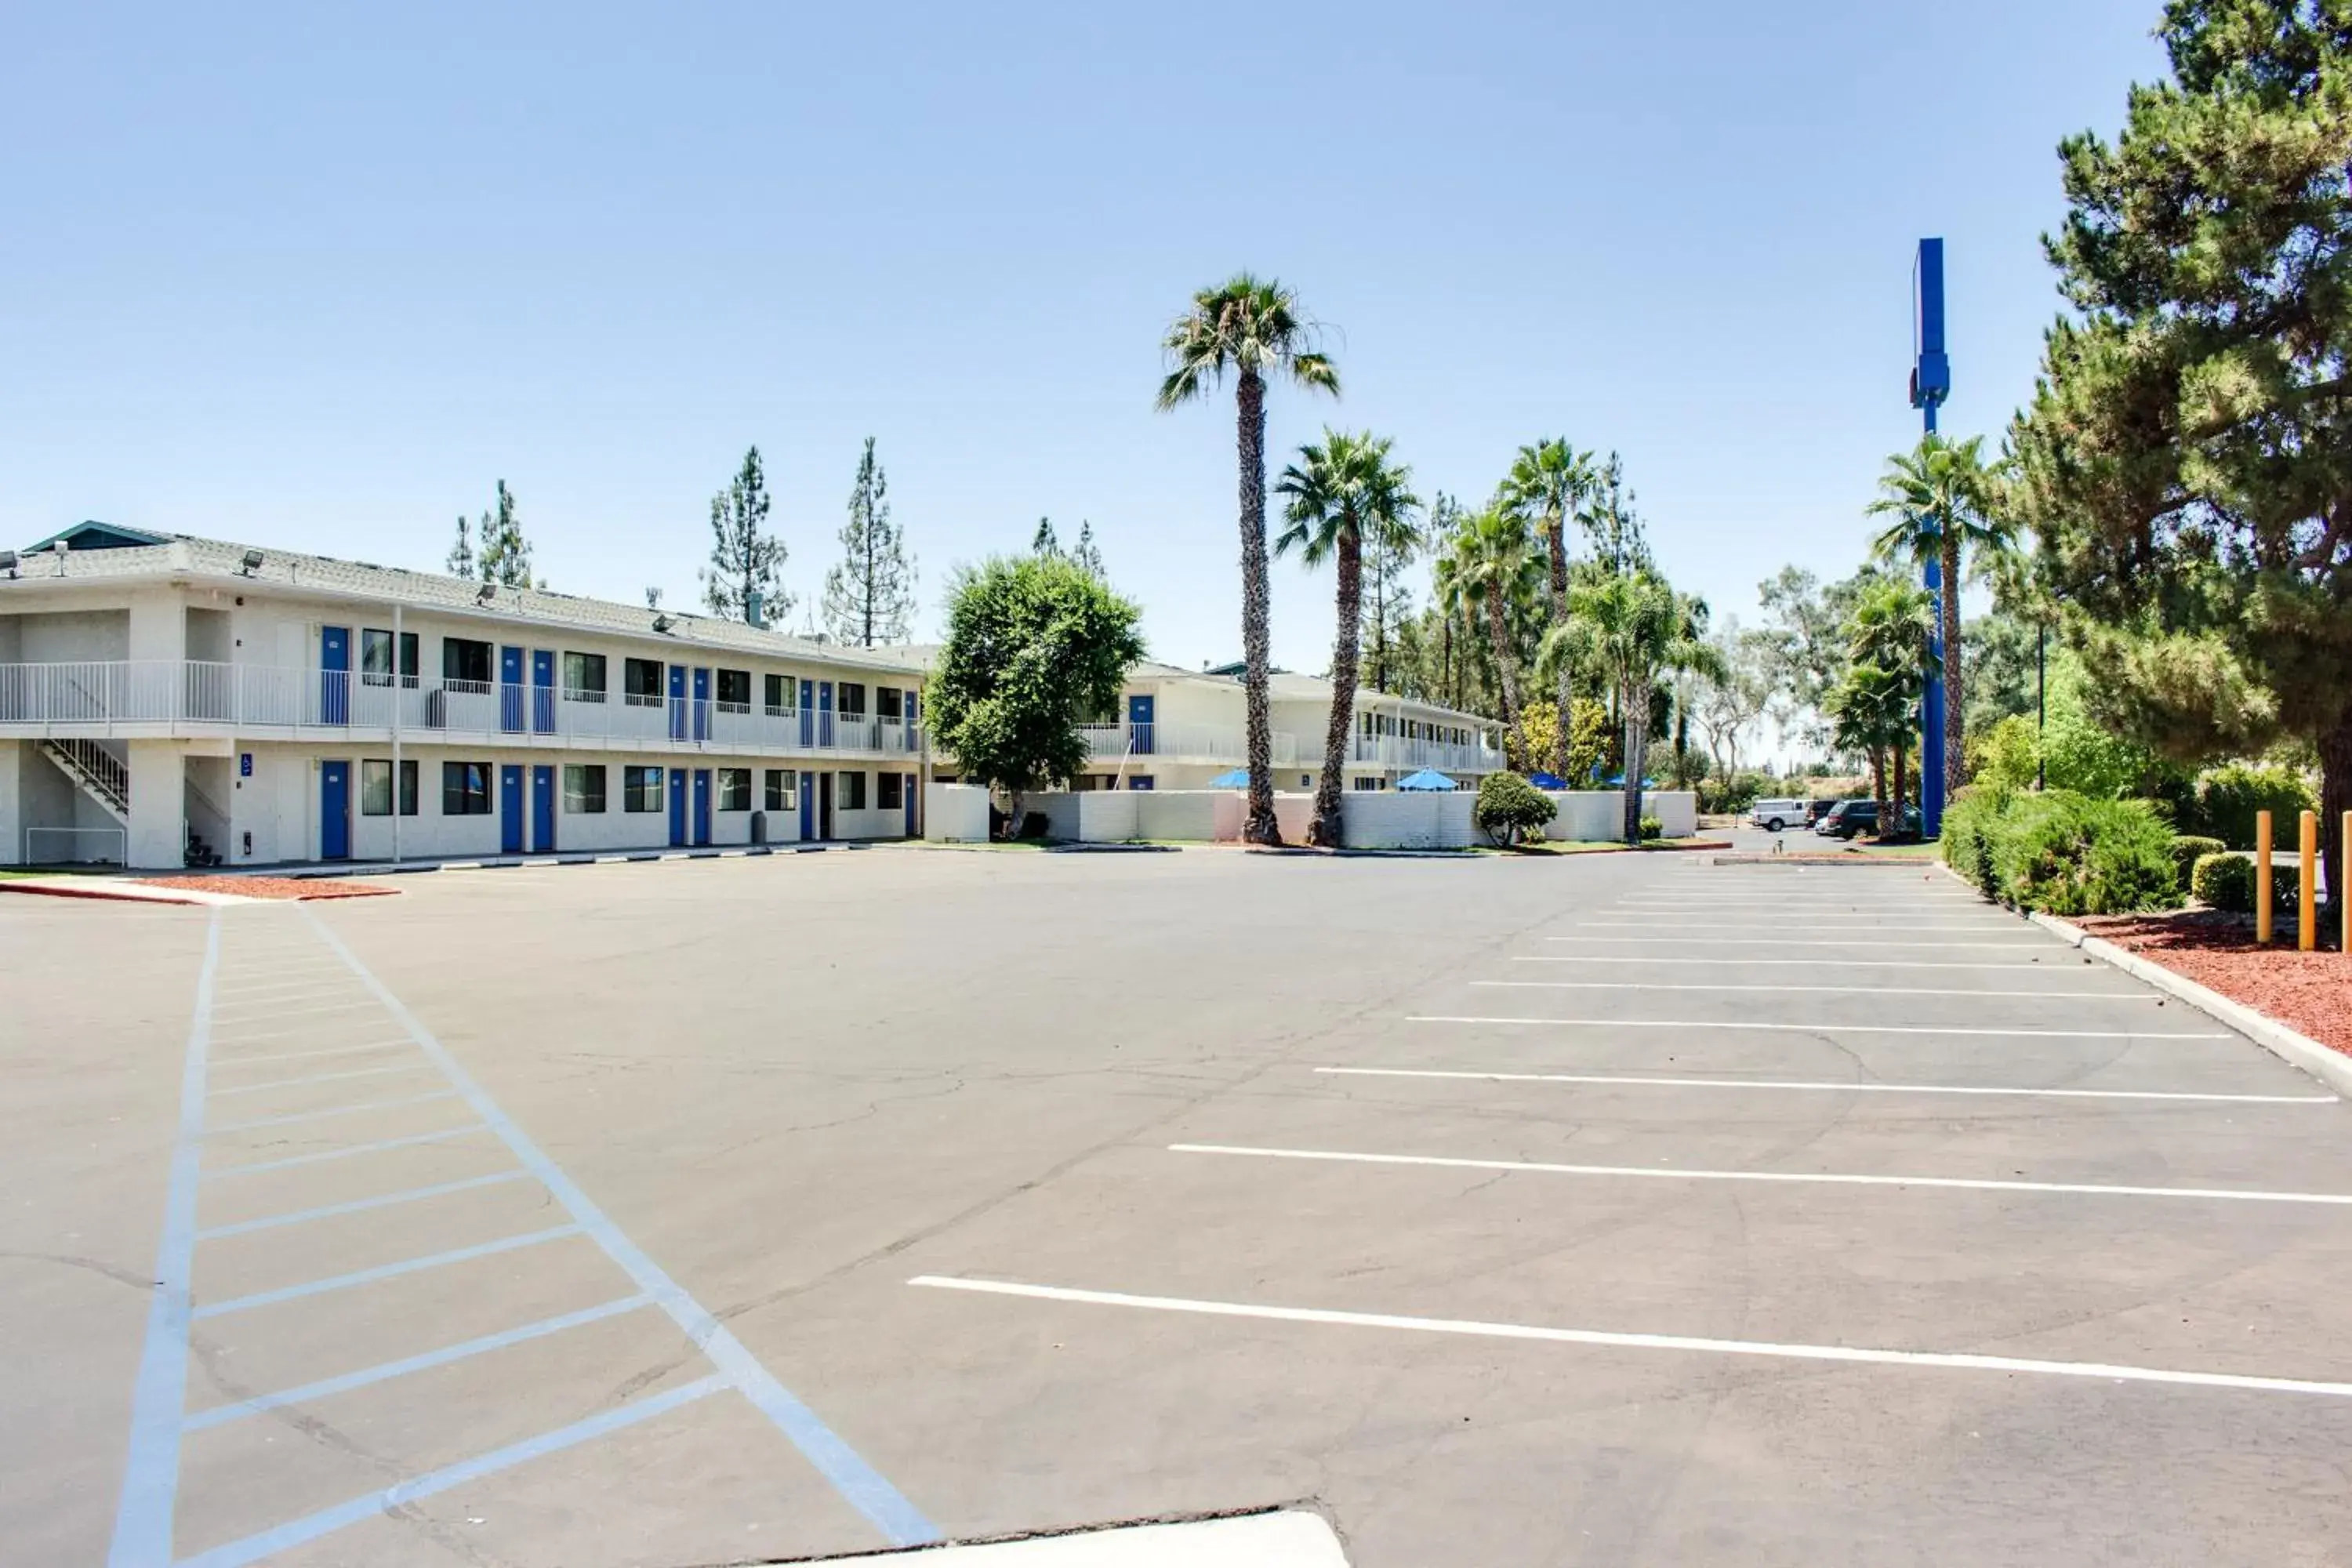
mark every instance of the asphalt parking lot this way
{"type": "Point", "coordinates": [1606, 1210]}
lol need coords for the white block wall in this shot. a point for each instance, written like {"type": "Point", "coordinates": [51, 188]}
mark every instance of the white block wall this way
{"type": "Point", "coordinates": [1409, 819]}
{"type": "Point", "coordinates": [955, 814]}
{"type": "Point", "coordinates": [1190, 816]}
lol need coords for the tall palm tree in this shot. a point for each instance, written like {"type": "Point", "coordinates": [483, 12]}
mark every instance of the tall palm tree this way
{"type": "Point", "coordinates": [1343, 494]}
{"type": "Point", "coordinates": [1892, 634]}
{"type": "Point", "coordinates": [1634, 628]}
{"type": "Point", "coordinates": [1872, 711]}
{"type": "Point", "coordinates": [1549, 483]}
{"type": "Point", "coordinates": [1941, 495]}
{"type": "Point", "coordinates": [1251, 327]}
{"type": "Point", "coordinates": [1495, 569]}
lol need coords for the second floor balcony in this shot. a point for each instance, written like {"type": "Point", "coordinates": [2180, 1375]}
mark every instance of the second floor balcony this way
{"type": "Point", "coordinates": [1181, 743]}
{"type": "Point", "coordinates": [135, 697]}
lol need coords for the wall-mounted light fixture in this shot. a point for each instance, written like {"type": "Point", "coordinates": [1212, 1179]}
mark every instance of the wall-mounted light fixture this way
{"type": "Point", "coordinates": [253, 559]}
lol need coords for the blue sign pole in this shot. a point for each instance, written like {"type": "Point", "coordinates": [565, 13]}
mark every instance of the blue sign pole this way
{"type": "Point", "coordinates": [1931, 383]}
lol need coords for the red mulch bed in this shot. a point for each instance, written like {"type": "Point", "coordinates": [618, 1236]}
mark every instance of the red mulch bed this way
{"type": "Point", "coordinates": [276, 886]}
{"type": "Point", "coordinates": [2310, 992]}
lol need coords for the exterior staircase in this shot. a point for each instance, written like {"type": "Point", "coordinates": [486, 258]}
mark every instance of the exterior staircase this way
{"type": "Point", "coordinates": [102, 776]}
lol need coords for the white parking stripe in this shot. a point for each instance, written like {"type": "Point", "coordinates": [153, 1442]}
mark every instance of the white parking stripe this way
{"type": "Point", "coordinates": [1798, 1178]}
{"type": "Point", "coordinates": [1845, 990]}
{"type": "Point", "coordinates": [1828, 1028]}
{"type": "Point", "coordinates": [2032, 942]}
{"type": "Point", "coordinates": [1947, 1360]}
{"type": "Point", "coordinates": [1860, 923]}
{"type": "Point", "coordinates": [1831, 1086]}
{"type": "Point", "coordinates": [1718, 961]}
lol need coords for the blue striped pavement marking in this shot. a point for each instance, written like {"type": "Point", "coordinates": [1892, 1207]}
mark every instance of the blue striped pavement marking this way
{"type": "Point", "coordinates": [358, 1205]}
{"type": "Point", "coordinates": [151, 1477]}
{"type": "Point", "coordinates": [858, 1483]}
{"type": "Point", "coordinates": [318, 1077]}
{"type": "Point", "coordinates": [254, 1548]}
{"type": "Point", "coordinates": [256, 1167]}
{"type": "Point", "coordinates": [222, 1414]}
{"type": "Point", "coordinates": [330, 1110]}
{"type": "Point", "coordinates": [384, 1271]}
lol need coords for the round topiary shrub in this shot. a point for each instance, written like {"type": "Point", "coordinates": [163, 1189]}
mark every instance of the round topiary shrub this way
{"type": "Point", "coordinates": [1509, 808]}
{"type": "Point", "coordinates": [2226, 882]}
{"type": "Point", "coordinates": [2187, 849]}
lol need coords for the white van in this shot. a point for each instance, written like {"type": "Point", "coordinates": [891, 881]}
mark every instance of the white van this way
{"type": "Point", "coordinates": [1776, 814]}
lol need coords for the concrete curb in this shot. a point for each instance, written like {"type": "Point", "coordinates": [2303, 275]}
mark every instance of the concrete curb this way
{"type": "Point", "coordinates": [2333, 1069]}
{"type": "Point", "coordinates": [128, 893]}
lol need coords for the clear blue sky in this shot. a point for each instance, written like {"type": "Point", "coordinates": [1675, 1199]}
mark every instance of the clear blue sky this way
{"type": "Point", "coordinates": [316, 275]}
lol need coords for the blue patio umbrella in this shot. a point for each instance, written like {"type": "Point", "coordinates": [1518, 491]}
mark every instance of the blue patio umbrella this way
{"type": "Point", "coordinates": [1428, 778]}
{"type": "Point", "coordinates": [1547, 781]}
{"type": "Point", "coordinates": [1237, 779]}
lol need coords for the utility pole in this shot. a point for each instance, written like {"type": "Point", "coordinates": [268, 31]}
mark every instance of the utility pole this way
{"type": "Point", "coordinates": [1931, 383]}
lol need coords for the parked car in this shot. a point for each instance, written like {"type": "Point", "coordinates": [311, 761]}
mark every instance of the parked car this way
{"type": "Point", "coordinates": [1775, 814]}
{"type": "Point", "coordinates": [1849, 818]}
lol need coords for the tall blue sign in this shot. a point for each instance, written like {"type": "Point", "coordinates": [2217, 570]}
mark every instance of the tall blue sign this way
{"type": "Point", "coordinates": [1931, 383]}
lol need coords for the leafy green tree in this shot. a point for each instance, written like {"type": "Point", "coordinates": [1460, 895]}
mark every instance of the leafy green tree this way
{"type": "Point", "coordinates": [1510, 809]}
{"type": "Point", "coordinates": [1086, 552]}
{"type": "Point", "coordinates": [1804, 632]}
{"type": "Point", "coordinates": [505, 556]}
{"type": "Point", "coordinates": [1550, 483]}
{"type": "Point", "coordinates": [2186, 459]}
{"type": "Point", "coordinates": [1035, 644]}
{"type": "Point", "coordinates": [745, 558]}
{"type": "Point", "coordinates": [1389, 556]}
{"type": "Point", "coordinates": [1251, 329]}
{"type": "Point", "coordinates": [1494, 567]}
{"type": "Point", "coordinates": [869, 598]}
{"type": "Point", "coordinates": [1634, 629]}
{"type": "Point", "coordinates": [1609, 519]}
{"type": "Point", "coordinates": [2000, 649]}
{"type": "Point", "coordinates": [1343, 494]}
{"type": "Point", "coordinates": [1942, 499]}
{"type": "Point", "coordinates": [1726, 706]}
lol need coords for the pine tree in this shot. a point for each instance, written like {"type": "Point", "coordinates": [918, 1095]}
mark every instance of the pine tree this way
{"type": "Point", "coordinates": [461, 554]}
{"type": "Point", "coordinates": [1043, 543]}
{"type": "Point", "coordinates": [1085, 552]}
{"type": "Point", "coordinates": [506, 553]}
{"type": "Point", "coordinates": [1388, 597]}
{"type": "Point", "coordinates": [870, 598]}
{"type": "Point", "coordinates": [745, 558]}
{"type": "Point", "coordinates": [653, 598]}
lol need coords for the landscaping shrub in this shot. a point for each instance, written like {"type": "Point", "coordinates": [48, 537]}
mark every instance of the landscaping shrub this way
{"type": "Point", "coordinates": [2228, 798]}
{"type": "Point", "coordinates": [1509, 808]}
{"type": "Point", "coordinates": [2187, 849]}
{"type": "Point", "coordinates": [1653, 828]}
{"type": "Point", "coordinates": [2061, 852]}
{"type": "Point", "coordinates": [2226, 881]}
{"type": "Point", "coordinates": [1033, 825]}
{"type": "Point", "coordinates": [1738, 793]}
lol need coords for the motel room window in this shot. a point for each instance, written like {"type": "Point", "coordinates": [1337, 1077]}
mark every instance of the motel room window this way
{"type": "Point", "coordinates": [886, 704]}
{"type": "Point", "coordinates": [641, 681]}
{"type": "Point", "coordinates": [375, 788]}
{"type": "Point", "coordinates": [583, 676]}
{"type": "Point", "coordinates": [890, 792]}
{"type": "Point", "coordinates": [583, 788]}
{"type": "Point", "coordinates": [1140, 780]}
{"type": "Point", "coordinates": [734, 789]}
{"type": "Point", "coordinates": [408, 787]}
{"type": "Point", "coordinates": [782, 792]}
{"type": "Point", "coordinates": [735, 691]}
{"type": "Point", "coordinates": [465, 788]}
{"type": "Point", "coordinates": [779, 693]}
{"type": "Point", "coordinates": [641, 789]}
{"type": "Point", "coordinates": [853, 699]}
{"type": "Point", "coordinates": [849, 793]}
{"type": "Point", "coordinates": [462, 658]}
{"type": "Point", "coordinates": [1368, 783]}
{"type": "Point", "coordinates": [375, 670]}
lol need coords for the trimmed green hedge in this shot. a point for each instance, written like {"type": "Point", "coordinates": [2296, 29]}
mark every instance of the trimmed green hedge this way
{"type": "Point", "coordinates": [1510, 809]}
{"type": "Point", "coordinates": [2061, 852]}
{"type": "Point", "coordinates": [2228, 798]}
{"type": "Point", "coordinates": [2187, 849]}
{"type": "Point", "coordinates": [2227, 882]}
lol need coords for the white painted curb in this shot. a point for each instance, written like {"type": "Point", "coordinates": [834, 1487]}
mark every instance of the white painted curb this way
{"type": "Point", "coordinates": [2333, 1069]}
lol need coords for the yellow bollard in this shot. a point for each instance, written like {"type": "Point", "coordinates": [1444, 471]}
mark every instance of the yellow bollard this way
{"type": "Point", "coordinates": [2306, 927]}
{"type": "Point", "coordinates": [2262, 876]}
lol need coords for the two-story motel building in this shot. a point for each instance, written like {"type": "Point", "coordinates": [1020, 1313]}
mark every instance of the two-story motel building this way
{"type": "Point", "coordinates": [160, 692]}
{"type": "Point", "coordinates": [164, 697]}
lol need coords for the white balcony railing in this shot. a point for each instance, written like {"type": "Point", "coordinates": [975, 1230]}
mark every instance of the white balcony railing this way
{"type": "Point", "coordinates": [133, 694]}
{"type": "Point", "coordinates": [1190, 742]}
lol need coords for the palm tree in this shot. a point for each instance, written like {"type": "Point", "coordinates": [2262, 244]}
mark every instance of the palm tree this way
{"type": "Point", "coordinates": [1634, 628]}
{"type": "Point", "coordinates": [1495, 568]}
{"type": "Point", "coordinates": [1871, 711]}
{"type": "Point", "coordinates": [1941, 496]}
{"type": "Point", "coordinates": [1550, 483]}
{"type": "Point", "coordinates": [1892, 632]}
{"type": "Point", "coordinates": [1343, 494]}
{"type": "Point", "coordinates": [1253, 327]}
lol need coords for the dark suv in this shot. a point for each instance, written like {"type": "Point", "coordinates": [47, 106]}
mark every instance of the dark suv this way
{"type": "Point", "coordinates": [1850, 818]}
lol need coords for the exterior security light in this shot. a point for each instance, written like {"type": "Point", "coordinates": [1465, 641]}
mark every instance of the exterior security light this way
{"type": "Point", "coordinates": [488, 592]}
{"type": "Point", "coordinates": [253, 559]}
{"type": "Point", "coordinates": [663, 623]}
{"type": "Point", "coordinates": [8, 561]}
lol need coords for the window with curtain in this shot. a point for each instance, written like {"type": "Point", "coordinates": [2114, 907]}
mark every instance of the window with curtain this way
{"type": "Point", "coordinates": [734, 789]}
{"type": "Point", "coordinates": [583, 788]}
{"type": "Point", "coordinates": [465, 788]}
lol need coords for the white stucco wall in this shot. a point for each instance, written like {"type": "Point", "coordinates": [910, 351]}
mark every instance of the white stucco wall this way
{"type": "Point", "coordinates": [1408, 820]}
{"type": "Point", "coordinates": [956, 814]}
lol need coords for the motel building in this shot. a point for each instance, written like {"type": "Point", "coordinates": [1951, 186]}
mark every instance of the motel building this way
{"type": "Point", "coordinates": [1185, 729]}
{"type": "Point", "coordinates": [167, 700]}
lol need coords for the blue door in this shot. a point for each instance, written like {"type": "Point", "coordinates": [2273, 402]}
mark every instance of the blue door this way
{"type": "Point", "coordinates": [825, 713]}
{"type": "Point", "coordinates": [1138, 724]}
{"type": "Point", "coordinates": [543, 690]}
{"type": "Point", "coordinates": [510, 691]}
{"type": "Point", "coordinates": [702, 806]}
{"type": "Point", "coordinates": [808, 792]}
{"type": "Point", "coordinates": [543, 808]}
{"type": "Point", "coordinates": [702, 705]}
{"type": "Point", "coordinates": [678, 702]}
{"type": "Point", "coordinates": [910, 787]}
{"type": "Point", "coordinates": [510, 808]}
{"type": "Point", "coordinates": [808, 733]}
{"type": "Point", "coordinates": [335, 679]}
{"type": "Point", "coordinates": [678, 808]}
{"type": "Point", "coordinates": [334, 811]}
